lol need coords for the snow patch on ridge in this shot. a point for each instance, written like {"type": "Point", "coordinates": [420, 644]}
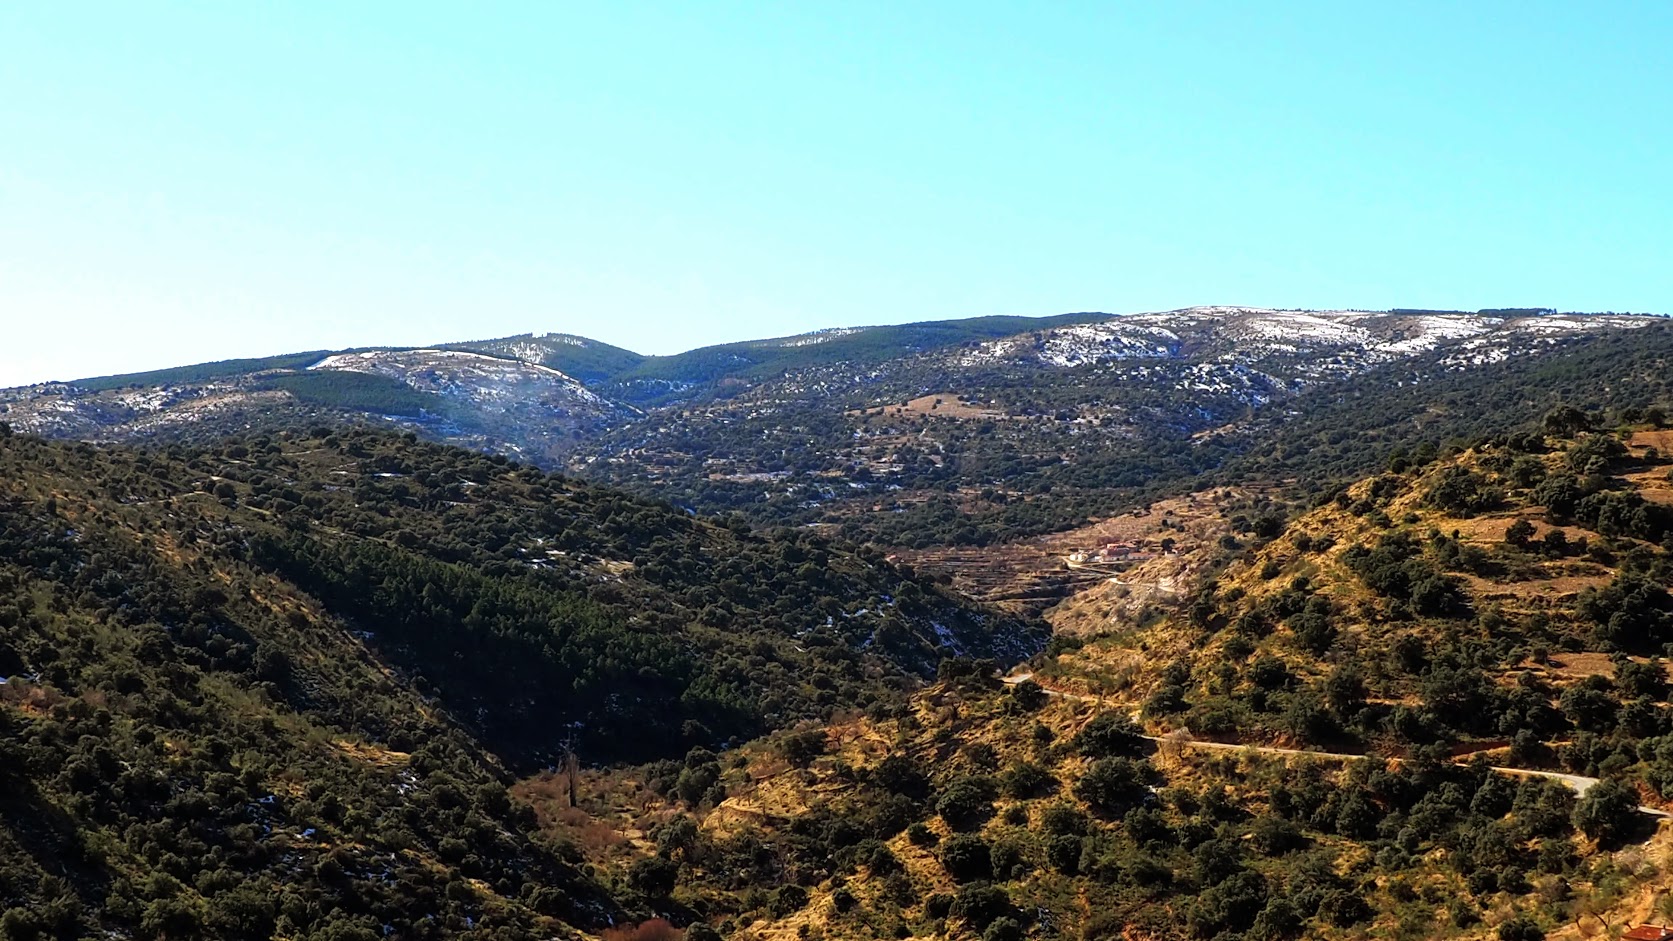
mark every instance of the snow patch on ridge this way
{"type": "Point", "coordinates": [463, 374]}
{"type": "Point", "coordinates": [815, 338]}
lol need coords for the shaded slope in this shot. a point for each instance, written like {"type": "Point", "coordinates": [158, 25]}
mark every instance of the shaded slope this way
{"type": "Point", "coordinates": [530, 603]}
{"type": "Point", "coordinates": [191, 748]}
{"type": "Point", "coordinates": [706, 371]}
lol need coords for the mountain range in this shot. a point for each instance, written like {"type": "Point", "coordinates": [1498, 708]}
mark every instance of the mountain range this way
{"type": "Point", "coordinates": [961, 431]}
{"type": "Point", "coordinates": [576, 389]}
{"type": "Point", "coordinates": [1212, 623]}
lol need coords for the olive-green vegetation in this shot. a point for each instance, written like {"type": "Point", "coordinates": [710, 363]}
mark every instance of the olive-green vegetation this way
{"type": "Point", "coordinates": [202, 372]}
{"type": "Point", "coordinates": [357, 391]}
{"type": "Point", "coordinates": [273, 687]}
{"type": "Point", "coordinates": [190, 749]}
{"type": "Point", "coordinates": [1340, 433]}
{"type": "Point", "coordinates": [817, 429]}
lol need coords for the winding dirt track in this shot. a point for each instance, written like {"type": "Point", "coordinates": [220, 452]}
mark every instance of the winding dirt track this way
{"type": "Point", "coordinates": [1580, 783]}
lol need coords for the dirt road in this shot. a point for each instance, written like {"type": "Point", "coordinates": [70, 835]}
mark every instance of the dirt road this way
{"type": "Point", "coordinates": [1580, 783]}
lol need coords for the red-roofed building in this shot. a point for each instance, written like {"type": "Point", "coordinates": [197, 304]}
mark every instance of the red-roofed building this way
{"type": "Point", "coordinates": [1649, 933]}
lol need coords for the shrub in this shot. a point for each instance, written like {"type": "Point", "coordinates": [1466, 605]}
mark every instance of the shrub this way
{"type": "Point", "coordinates": [1063, 853]}
{"type": "Point", "coordinates": [787, 900]}
{"type": "Point", "coordinates": [967, 802]}
{"type": "Point", "coordinates": [967, 858]}
{"type": "Point", "coordinates": [1344, 909]}
{"type": "Point", "coordinates": [1026, 779]}
{"type": "Point", "coordinates": [899, 774]}
{"type": "Point", "coordinates": [654, 876]}
{"type": "Point", "coordinates": [1060, 819]}
{"type": "Point", "coordinates": [1113, 784]}
{"type": "Point", "coordinates": [1463, 492]}
{"type": "Point", "coordinates": [1231, 905]}
{"type": "Point", "coordinates": [1028, 695]}
{"type": "Point", "coordinates": [1520, 928]}
{"type": "Point", "coordinates": [801, 748]}
{"type": "Point", "coordinates": [1108, 735]}
{"type": "Point", "coordinates": [1003, 929]}
{"type": "Point", "coordinates": [1008, 861]}
{"type": "Point", "coordinates": [1275, 836]}
{"type": "Point", "coordinates": [981, 905]}
{"type": "Point", "coordinates": [1606, 812]}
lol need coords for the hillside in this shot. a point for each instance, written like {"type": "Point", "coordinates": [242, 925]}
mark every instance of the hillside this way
{"type": "Point", "coordinates": [598, 608]}
{"type": "Point", "coordinates": [1483, 626]}
{"type": "Point", "coordinates": [725, 370]}
{"type": "Point", "coordinates": [1452, 599]}
{"type": "Point", "coordinates": [190, 747]}
{"type": "Point", "coordinates": [276, 686]}
{"type": "Point", "coordinates": [587, 360]}
{"type": "Point", "coordinates": [488, 403]}
{"type": "Point", "coordinates": [1043, 432]}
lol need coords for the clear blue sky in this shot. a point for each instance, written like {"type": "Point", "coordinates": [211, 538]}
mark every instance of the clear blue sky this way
{"type": "Point", "coordinates": [182, 182]}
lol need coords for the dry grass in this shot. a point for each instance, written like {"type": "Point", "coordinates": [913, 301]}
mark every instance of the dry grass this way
{"type": "Point", "coordinates": [30, 697]}
{"type": "Point", "coordinates": [612, 815]}
{"type": "Point", "coordinates": [657, 929]}
{"type": "Point", "coordinates": [1661, 440]}
{"type": "Point", "coordinates": [1577, 666]}
{"type": "Point", "coordinates": [1119, 661]}
{"type": "Point", "coordinates": [1490, 530]}
{"type": "Point", "coordinates": [935, 405]}
{"type": "Point", "coordinates": [1003, 573]}
{"type": "Point", "coordinates": [373, 754]}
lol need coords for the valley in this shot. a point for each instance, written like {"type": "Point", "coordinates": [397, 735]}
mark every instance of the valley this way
{"type": "Point", "coordinates": [1212, 623]}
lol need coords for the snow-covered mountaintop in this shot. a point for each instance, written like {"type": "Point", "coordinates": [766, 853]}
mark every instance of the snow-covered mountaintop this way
{"type": "Point", "coordinates": [1312, 342]}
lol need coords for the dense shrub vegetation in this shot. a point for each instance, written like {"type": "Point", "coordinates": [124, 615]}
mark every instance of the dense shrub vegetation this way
{"type": "Point", "coordinates": [271, 687]}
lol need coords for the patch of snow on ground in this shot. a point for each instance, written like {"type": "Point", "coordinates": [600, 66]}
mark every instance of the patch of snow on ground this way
{"type": "Point", "coordinates": [1093, 342]}
{"type": "Point", "coordinates": [1077, 345]}
{"type": "Point", "coordinates": [527, 352]}
{"type": "Point", "coordinates": [1435, 329]}
{"type": "Point", "coordinates": [945, 638]}
{"type": "Point", "coordinates": [817, 337]}
{"type": "Point", "coordinates": [1303, 329]}
{"type": "Point", "coordinates": [460, 373]}
{"type": "Point", "coordinates": [1567, 324]}
{"type": "Point", "coordinates": [146, 400]}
